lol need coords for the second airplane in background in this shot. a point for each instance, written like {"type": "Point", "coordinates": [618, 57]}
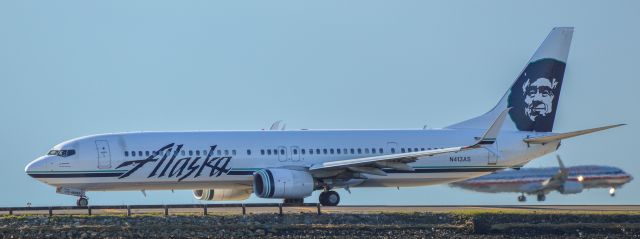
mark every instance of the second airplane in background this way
{"type": "Point", "coordinates": [542, 181]}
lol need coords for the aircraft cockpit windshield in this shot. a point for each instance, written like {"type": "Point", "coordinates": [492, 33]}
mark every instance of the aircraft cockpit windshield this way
{"type": "Point", "coordinates": [62, 153]}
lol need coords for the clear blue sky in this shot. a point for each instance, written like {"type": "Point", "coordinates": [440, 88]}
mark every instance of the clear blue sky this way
{"type": "Point", "coordinates": [73, 68]}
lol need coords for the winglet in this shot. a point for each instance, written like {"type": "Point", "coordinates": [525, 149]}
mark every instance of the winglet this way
{"type": "Point", "coordinates": [560, 162]}
{"type": "Point", "coordinates": [489, 136]}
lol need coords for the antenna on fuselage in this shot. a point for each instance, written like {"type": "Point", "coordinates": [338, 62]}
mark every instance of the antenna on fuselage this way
{"type": "Point", "coordinates": [275, 125]}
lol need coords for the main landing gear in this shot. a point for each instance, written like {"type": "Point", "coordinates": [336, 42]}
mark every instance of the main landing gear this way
{"type": "Point", "coordinates": [329, 198]}
{"type": "Point", "coordinates": [522, 198]}
{"type": "Point", "coordinates": [82, 201]}
{"type": "Point", "coordinates": [541, 197]}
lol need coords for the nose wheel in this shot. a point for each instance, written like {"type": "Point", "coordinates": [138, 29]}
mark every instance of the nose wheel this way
{"type": "Point", "coordinates": [329, 198]}
{"type": "Point", "coordinates": [541, 197]}
{"type": "Point", "coordinates": [82, 202]}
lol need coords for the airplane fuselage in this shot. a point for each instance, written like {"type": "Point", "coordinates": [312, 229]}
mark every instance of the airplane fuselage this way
{"type": "Point", "coordinates": [227, 159]}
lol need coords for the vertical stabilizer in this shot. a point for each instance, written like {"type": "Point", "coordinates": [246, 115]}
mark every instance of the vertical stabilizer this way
{"type": "Point", "coordinates": [535, 94]}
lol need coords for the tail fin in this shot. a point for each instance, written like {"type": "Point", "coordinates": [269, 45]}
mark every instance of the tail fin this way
{"type": "Point", "coordinates": [535, 94]}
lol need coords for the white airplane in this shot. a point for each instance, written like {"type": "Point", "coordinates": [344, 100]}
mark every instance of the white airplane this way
{"type": "Point", "coordinates": [542, 181]}
{"type": "Point", "coordinates": [291, 164]}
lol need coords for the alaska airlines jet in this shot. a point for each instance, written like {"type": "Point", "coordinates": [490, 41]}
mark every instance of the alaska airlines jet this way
{"type": "Point", "coordinates": [291, 164]}
{"type": "Point", "coordinates": [542, 181]}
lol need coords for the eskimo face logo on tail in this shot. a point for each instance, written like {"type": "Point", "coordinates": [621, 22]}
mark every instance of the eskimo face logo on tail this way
{"type": "Point", "coordinates": [180, 168]}
{"type": "Point", "coordinates": [535, 95]}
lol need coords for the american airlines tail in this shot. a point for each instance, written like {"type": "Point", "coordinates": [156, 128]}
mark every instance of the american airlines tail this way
{"type": "Point", "coordinates": [535, 94]}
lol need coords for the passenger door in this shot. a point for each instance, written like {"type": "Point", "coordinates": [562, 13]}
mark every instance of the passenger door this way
{"type": "Point", "coordinates": [104, 154]}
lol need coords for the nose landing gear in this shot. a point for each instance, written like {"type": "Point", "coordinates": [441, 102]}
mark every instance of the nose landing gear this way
{"type": "Point", "coordinates": [329, 198]}
{"type": "Point", "coordinates": [541, 197]}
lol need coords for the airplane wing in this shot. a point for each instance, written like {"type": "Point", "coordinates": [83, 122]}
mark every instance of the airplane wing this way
{"type": "Point", "coordinates": [373, 165]}
{"type": "Point", "coordinates": [556, 137]}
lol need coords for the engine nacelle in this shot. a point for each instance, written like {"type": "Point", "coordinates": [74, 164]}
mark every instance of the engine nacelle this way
{"type": "Point", "coordinates": [222, 194]}
{"type": "Point", "coordinates": [282, 183]}
{"type": "Point", "coordinates": [570, 187]}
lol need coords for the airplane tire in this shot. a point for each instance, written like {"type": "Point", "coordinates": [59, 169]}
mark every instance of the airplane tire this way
{"type": "Point", "coordinates": [82, 202]}
{"type": "Point", "coordinates": [522, 198]}
{"type": "Point", "coordinates": [329, 198]}
{"type": "Point", "coordinates": [541, 197]}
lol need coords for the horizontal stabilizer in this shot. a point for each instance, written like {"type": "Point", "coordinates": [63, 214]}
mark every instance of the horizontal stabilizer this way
{"type": "Point", "coordinates": [556, 137]}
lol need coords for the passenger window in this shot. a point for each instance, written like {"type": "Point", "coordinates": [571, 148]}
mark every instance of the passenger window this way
{"type": "Point", "coordinates": [359, 151]}
{"type": "Point", "coordinates": [262, 152]}
{"type": "Point", "coordinates": [139, 153]}
{"type": "Point", "coordinates": [381, 152]}
{"type": "Point", "coordinates": [353, 151]}
{"type": "Point", "coordinates": [204, 152]}
{"type": "Point", "coordinates": [182, 152]}
{"type": "Point", "coordinates": [324, 151]}
{"type": "Point", "coordinates": [302, 150]}
{"type": "Point", "coordinates": [226, 152]}
{"type": "Point", "coordinates": [126, 153]}
{"type": "Point", "coordinates": [133, 153]}
{"type": "Point", "coordinates": [366, 150]}
{"type": "Point", "coordinates": [233, 152]}
{"type": "Point", "coordinates": [338, 151]}
{"type": "Point", "coordinates": [190, 152]}
{"type": "Point", "coordinates": [269, 151]}
{"type": "Point", "coordinates": [393, 150]}
{"type": "Point", "coordinates": [402, 150]}
{"type": "Point", "coordinates": [248, 152]}
{"type": "Point", "coordinates": [197, 152]}
{"type": "Point", "coordinates": [331, 151]}
{"type": "Point", "coordinates": [373, 151]}
{"type": "Point", "coordinates": [219, 152]}
{"type": "Point", "coordinates": [421, 149]}
{"type": "Point", "coordinates": [409, 150]}
{"type": "Point", "coordinates": [275, 152]}
{"type": "Point", "coordinates": [295, 151]}
{"type": "Point", "coordinates": [310, 151]}
{"type": "Point", "coordinates": [317, 151]}
{"type": "Point", "coordinates": [415, 149]}
{"type": "Point", "coordinates": [282, 152]}
{"type": "Point", "coordinates": [146, 153]}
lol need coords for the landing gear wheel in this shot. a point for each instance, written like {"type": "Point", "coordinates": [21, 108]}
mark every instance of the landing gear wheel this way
{"type": "Point", "coordinates": [329, 198]}
{"type": "Point", "coordinates": [82, 202]}
{"type": "Point", "coordinates": [522, 198]}
{"type": "Point", "coordinates": [541, 197]}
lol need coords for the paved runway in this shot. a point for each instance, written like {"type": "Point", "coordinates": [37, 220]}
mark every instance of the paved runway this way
{"type": "Point", "coordinates": [352, 209]}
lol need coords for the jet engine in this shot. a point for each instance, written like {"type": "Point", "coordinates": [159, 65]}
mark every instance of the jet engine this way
{"type": "Point", "coordinates": [570, 187]}
{"type": "Point", "coordinates": [222, 194]}
{"type": "Point", "coordinates": [282, 183]}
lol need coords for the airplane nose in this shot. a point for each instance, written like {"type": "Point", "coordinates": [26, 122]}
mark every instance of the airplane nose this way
{"type": "Point", "coordinates": [35, 165]}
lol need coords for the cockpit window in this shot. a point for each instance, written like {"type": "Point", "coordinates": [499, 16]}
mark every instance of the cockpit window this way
{"type": "Point", "coordinates": [62, 153]}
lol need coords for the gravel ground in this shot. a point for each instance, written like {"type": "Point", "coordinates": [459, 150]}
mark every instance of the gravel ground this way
{"type": "Point", "coordinates": [309, 225]}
